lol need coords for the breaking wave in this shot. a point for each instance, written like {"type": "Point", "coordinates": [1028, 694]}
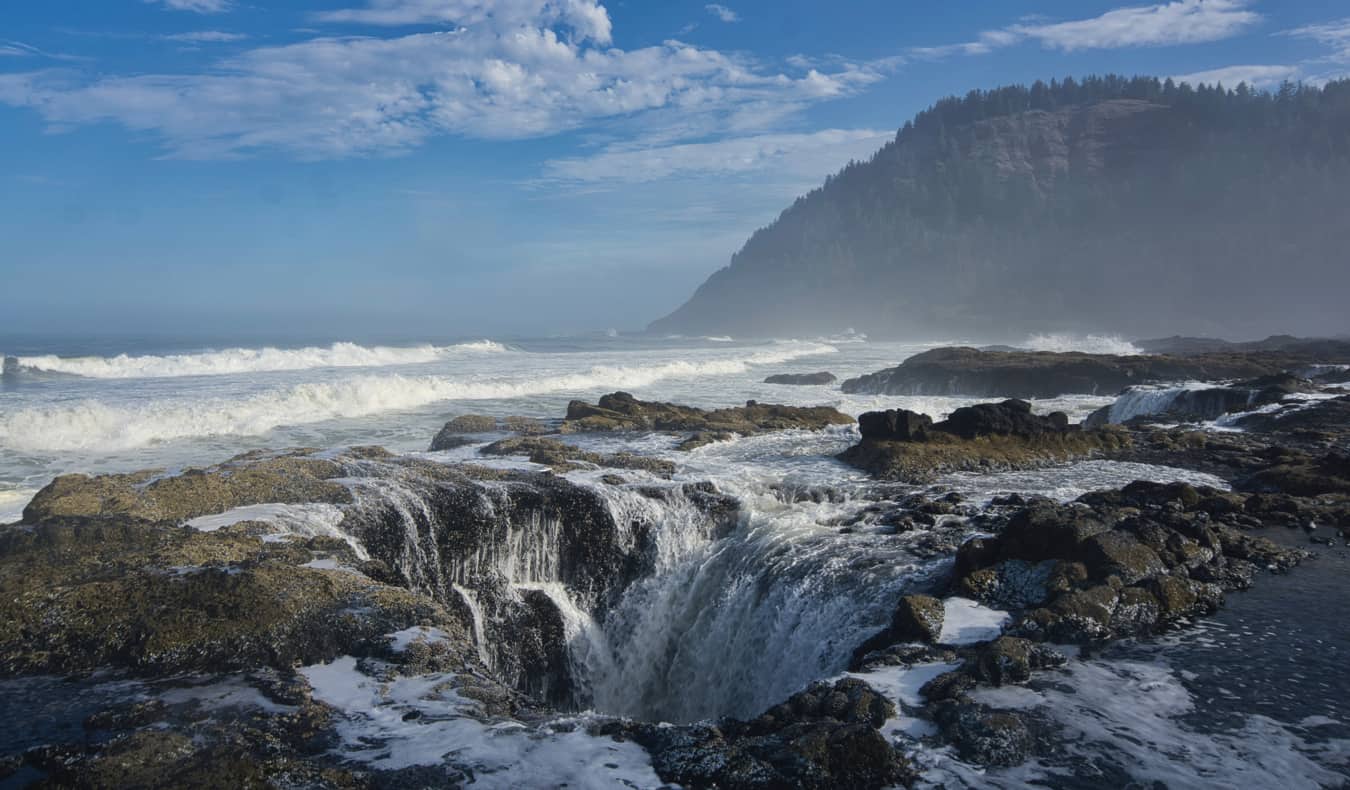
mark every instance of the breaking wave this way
{"type": "Point", "coordinates": [1089, 344]}
{"type": "Point", "coordinates": [95, 425]}
{"type": "Point", "coordinates": [250, 360]}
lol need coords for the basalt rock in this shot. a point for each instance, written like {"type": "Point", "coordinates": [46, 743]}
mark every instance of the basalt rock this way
{"type": "Point", "coordinates": [917, 618]}
{"type": "Point", "coordinates": [973, 373]}
{"type": "Point", "coordinates": [562, 457]}
{"type": "Point", "coordinates": [905, 446]}
{"type": "Point", "coordinates": [1120, 563]}
{"type": "Point", "coordinates": [894, 425]}
{"type": "Point", "coordinates": [622, 412]}
{"type": "Point", "coordinates": [1198, 405]}
{"type": "Point", "coordinates": [824, 737]}
{"type": "Point", "coordinates": [87, 596]}
{"type": "Point", "coordinates": [292, 477]}
{"type": "Point", "coordinates": [983, 735]}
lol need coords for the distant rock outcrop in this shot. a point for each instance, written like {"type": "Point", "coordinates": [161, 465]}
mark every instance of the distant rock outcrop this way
{"type": "Point", "coordinates": [1113, 204]}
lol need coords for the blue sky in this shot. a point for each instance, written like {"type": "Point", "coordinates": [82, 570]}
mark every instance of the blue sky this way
{"type": "Point", "coordinates": [450, 167]}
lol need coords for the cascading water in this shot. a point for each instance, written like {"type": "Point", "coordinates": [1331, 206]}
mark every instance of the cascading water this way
{"type": "Point", "coordinates": [740, 623]}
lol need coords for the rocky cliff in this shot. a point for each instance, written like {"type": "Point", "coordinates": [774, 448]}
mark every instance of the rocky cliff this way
{"type": "Point", "coordinates": [1111, 204]}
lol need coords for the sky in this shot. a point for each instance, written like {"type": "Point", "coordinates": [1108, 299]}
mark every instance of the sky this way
{"type": "Point", "coordinates": [497, 167]}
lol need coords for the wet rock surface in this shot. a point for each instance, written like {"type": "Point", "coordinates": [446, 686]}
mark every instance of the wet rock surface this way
{"type": "Point", "coordinates": [802, 379]}
{"type": "Point", "coordinates": [622, 412]}
{"type": "Point", "coordinates": [974, 373]}
{"type": "Point", "coordinates": [906, 446]}
{"type": "Point", "coordinates": [823, 737]}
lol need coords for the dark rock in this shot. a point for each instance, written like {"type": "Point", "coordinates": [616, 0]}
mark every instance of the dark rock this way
{"type": "Point", "coordinates": [894, 425]}
{"type": "Point", "coordinates": [1117, 553]}
{"type": "Point", "coordinates": [562, 457]}
{"type": "Point", "coordinates": [620, 411]}
{"type": "Point", "coordinates": [972, 373]}
{"type": "Point", "coordinates": [465, 423]}
{"type": "Point", "coordinates": [1009, 659]}
{"type": "Point", "coordinates": [985, 736]}
{"type": "Point", "coordinates": [802, 379]}
{"type": "Point", "coordinates": [917, 618]}
{"type": "Point", "coordinates": [823, 737]}
{"type": "Point", "coordinates": [1009, 418]}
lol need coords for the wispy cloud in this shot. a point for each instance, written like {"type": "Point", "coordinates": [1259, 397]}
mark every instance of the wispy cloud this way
{"type": "Point", "coordinates": [722, 12]}
{"type": "Point", "coordinates": [1163, 24]}
{"type": "Point", "coordinates": [1334, 35]}
{"type": "Point", "coordinates": [586, 18]}
{"type": "Point", "coordinates": [18, 49]}
{"type": "Point", "coordinates": [206, 37]}
{"type": "Point", "coordinates": [1332, 65]}
{"type": "Point", "coordinates": [196, 6]}
{"type": "Point", "coordinates": [532, 68]}
{"type": "Point", "coordinates": [808, 155]}
{"type": "Point", "coordinates": [1232, 76]}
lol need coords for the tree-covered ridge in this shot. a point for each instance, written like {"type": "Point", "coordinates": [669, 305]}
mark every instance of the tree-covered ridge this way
{"type": "Point", "coordinates": [1022, 205]}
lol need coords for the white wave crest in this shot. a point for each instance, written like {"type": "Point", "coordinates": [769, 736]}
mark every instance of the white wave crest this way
{"type": "Point", "coordinates": [1090, 344]}
{"type": "Point", "coordinates": [95, 425]}
{"type": "Point", "coordinates": [251, 360]}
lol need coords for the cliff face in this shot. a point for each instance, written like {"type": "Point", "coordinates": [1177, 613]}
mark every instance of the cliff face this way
{"type": "Point", "coordinates": [1134, 207]}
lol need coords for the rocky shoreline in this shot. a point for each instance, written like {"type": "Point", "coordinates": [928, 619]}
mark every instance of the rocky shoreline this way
{"type": "Point", "coordinates": [259, 580]}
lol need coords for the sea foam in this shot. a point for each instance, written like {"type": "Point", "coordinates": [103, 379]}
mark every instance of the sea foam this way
{"type": "Point", "coordinates": [250, 360]}
{"type": "Point", "coordinates": [1088, 344]}
{"type": "Point", "coordinates": [100, 426]}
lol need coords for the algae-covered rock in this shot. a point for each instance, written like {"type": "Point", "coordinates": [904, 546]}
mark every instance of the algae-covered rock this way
{"type": "Point", "coordinates": [908, 447]}
{"type": "Point", "coordinates": [254, 478]}
{"type": "Point", "coordinates": [620, 411]}
{"type": "Point", "coordinates": [562, 457]}
{"type": "Point", "coordinates": [824, 737]}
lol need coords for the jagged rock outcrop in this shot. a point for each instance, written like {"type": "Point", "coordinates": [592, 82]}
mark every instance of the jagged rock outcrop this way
{"type": "Point", "coordinates": [103, 572]}
{"type": "Point", "coordinates": [905, 446]}
{"type": "Point", "coordinates": [620, 411]}
{"type": "Point", "coordinates": [1118, 563]}
{"type": "Point", "coordinates": [826, 736]}
{"type": "Point", "coordinates": [1196, 404]}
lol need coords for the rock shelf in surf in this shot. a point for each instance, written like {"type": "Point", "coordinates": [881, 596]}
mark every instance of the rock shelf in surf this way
{"type": "Point", "coordinates": [1045, 374]}
{"type": "Point", "coordinates": [622, 412]}
{"type": "Point", "coordinates": [906, 446]}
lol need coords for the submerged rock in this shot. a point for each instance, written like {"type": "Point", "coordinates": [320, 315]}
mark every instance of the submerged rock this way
{"type": "Point", "coordinates": [562, 457]}
{"type": "Point", "coordinates": [802, 379]}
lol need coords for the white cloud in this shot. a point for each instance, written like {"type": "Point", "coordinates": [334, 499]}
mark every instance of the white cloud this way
{"type": "Point", "coordinates": [1232, 76]}
{"type": "Point", "coordinates": [808, 156]}
{"type": "Point", "coordinates": [722, 12]}
{"type": "Point", "coordinates": [586, 18]}
{"type": "Point", "coordinates": [501, 76]}
{"type": "Point", "coordinates": [1333, 35]}
{"type": "Point", "coordinates": [1163, 24]}
{"type": "Point", "coordinates": [196, 6]}
{"type": "Point", "coordinates": [206, 37]}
